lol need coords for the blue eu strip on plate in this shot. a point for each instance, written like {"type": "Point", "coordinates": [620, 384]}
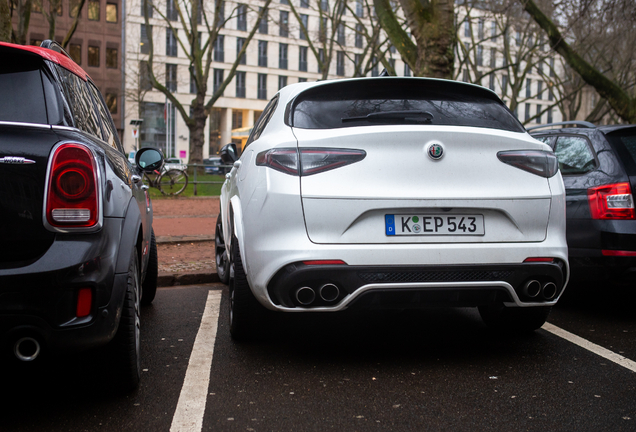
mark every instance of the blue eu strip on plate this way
{"type": "Point", "coordinates": [390, 224]}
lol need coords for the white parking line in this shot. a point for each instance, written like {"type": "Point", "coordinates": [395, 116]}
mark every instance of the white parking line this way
{"type": "Point", "coordinates": [596, 349]}
{"type": "Point", "coordinates": [194, 393]}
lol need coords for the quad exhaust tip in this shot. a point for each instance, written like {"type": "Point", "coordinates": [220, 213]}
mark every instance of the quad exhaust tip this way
{"type": "Point", "coordinates": [305, 296]}
{"type": "Point", "coordinates": [532, 288]}
{"type": "Point", "coordinates": [329, 292]}
{"type": "Point", "coordinates": [27, 349]}
{"type": "Point", "coordinates": [549, 290]}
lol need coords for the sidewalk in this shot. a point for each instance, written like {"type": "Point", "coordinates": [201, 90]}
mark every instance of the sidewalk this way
{"type": "Point", "coordinates": [184, 229]}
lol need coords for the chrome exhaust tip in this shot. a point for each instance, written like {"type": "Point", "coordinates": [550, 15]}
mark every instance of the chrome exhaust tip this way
{"type": "Point", "coordinates": [305, 296]}
{"type": "Point", "coordinates": [27, 349]}
{"type": "Point", "coordinates": [329, 292]}
{"type": "Point", "coordinates": [549, 290]}
{"type": "Point", "coordinates": [532, 288]}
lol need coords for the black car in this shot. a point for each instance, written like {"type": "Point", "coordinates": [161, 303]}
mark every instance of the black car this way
{"type": "Point", "coordinates": [598, 165]}
{"type": "Point", "coordinates": [213, 165]}
{"type": "Point", "coordinates": [78, 254]}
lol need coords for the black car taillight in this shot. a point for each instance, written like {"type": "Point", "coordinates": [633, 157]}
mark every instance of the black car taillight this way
{"type": "Point", "coordinates": [613, 201]}
{"type": "Point", "coordinates": [312, 160]}
{"type": "Point", "coordinates": [72, 199]}
{"type": "Point", "coordinates": [537, 162]}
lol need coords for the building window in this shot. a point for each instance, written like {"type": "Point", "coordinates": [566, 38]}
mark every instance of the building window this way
{"type": "Point", "coordinates": [552, 67]}
{"type": "Point", "coordinates": [465, 75]}
{"type": "Point", "coordinates": [282, 56]}
{"type": "Point", "coordinates": [52, 9]}
{"type": "Point", "coordinates": [111, 102]}
{"type": "Point", "coordinates": [171, 43]}
{"type": "Point", "coordinates": [171, 77]}
{"type": "Point", "coordinates": [360, 8]}
{"type": "Point", "coordinates": [480, 55]}
{"type": "Point", "coordinates": [304, 19]}
{"type": "Point", "coordinates": [111, 12]}
{"type": "Point", "coordinates": [237, 119]}
{"type": "Point", "coordinates": [491, 82]}
{"type": "Point", "coordinates": [241, 17]}
{"type": "Point", "coordinates": [322, 30]}
{"type": "Point", "coordinates": [283, 29]}
{"type": "Point", "coordinates": [240, 84]}
{"type": "Point", "coordinates": [504, 84]}
{"type": "Point", "coordinates": [540, 67]}
{"type": "Point", "coordinates": [407, 70]}
{"type": "Point", "coordinates": [301, 80]}
{"type": "Point", "coordinates": [528, 87]}
{"type": "Point", "coordinates": [36, 42]}
{"type": "Point", "coordinates": [493, 57]}
{"type": "Point", "coordinates": [262, 87]}
{"type": "Point", "coordinates": [144, 42]}
{"type": "Point", "coordinates": [340, 66]}
{"type": "Point", "coordinates": [493, 31]}
{"type": "Point", "coordinates": [539, 89]}
{"type": "Point", "coordinates": [304, 3]}
{"type": "Point", "coordinates": [480, 29]}
{"type": "Point", "coordinates": [262, 25]}
{"type": "Point", "coordinates": [539, 108]}
{"type": "Point", "coordinates": [262, 53]}
{"type": "Point", "coordinates": [321, 59]}
{"type": "Point", "coordinates": [111, 58]}
{"type": "Point", "coordinates": [218, 79]}
{"type": "Point", "coordinates": [149, 8]}
{"type": "Point", "coordinates": [73, 9]}
{"type": "Point", "coordinates": [527, 114]}
{"type": "Point", "coordinates": [302, 58]}
{"type": "Point", "coordinates": [144, 76]}
{"type": "Point", "coordinates": [171, 10]}
{"type": "Point", "coordinates": [550, 94]}
{"type": "Point", "coordinates": [75, 51]}
{"type": "Point", "coordinates": [219, 48]}
{"type": "Point", "coordinates": [550, 115]}
{"type": "Point", "coordinates": [282, 82]}
{"type": "Point", "coordinates": [36, 7]}
{"type": "Point", "coordinates": [341, 34]}
{"type": "Point", "coordinates": [93, 56]}
{"type": "Point", "coordinates": [93, 10]}
{"type": "Point", "coordinates": [324, 5]}
{"type": "Point", "coordinates": [221, 8]}
{"type": "Point", "coordinates": [467, 27]}
{"type": "Point", "coordinates": [375, 68]}
{"type": "Point", "coordinates": [239, 46]}
{"type": "Point", "coordinates": [193, 83]}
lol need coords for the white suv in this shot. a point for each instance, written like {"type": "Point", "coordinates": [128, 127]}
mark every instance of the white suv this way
{"type": "Point", "coordinates": [395, 193]}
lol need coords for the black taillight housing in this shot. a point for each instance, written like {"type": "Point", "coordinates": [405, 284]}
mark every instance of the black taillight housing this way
{"type": "Point", "coordinates": [72, 193]}
{"type": "Point", "coordinates": [541, 163]}
{"type": "Point", "coordinates": [312, 160]}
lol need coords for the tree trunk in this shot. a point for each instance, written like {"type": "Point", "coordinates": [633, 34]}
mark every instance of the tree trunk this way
{"type": "Point", "coordinates": [197, 128]}
{"type": "Point", "coordinates": [5, 21]}
{"type": "Point", "coordinates": [432, 25]}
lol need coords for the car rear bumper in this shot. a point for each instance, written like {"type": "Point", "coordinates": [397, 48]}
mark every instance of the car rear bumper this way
{"type": "Point", "coordinates": [40, 300]}
{"type": "Point", "coordinates": [302, 286]}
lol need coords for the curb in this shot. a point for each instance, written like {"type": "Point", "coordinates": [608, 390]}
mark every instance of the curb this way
{"type": "Point", "coordinates": [165, 279]}
{"type": "Point", "coordinates": [184, 239]}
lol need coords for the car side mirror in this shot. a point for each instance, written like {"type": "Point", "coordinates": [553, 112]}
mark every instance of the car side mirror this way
{"type": "Point", "coordinates": [228, 154]}
{"type": "Point", "coordinates": [149, 159]}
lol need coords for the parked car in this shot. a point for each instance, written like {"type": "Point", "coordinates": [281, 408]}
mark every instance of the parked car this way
{"type": "Point", "coordinates": [78, 253]}
{"type": "Point", "coordinates": [470, 211]}
{"type": "Point", "coordinates": [213, 165]}
{"type": "Point", "coordinates": [598, 164]}
{"type": "Point", "coordinates": [174, 163]}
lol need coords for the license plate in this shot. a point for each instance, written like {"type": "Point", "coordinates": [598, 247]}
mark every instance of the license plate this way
{"type": "Point", "coordinates": [434, 224]}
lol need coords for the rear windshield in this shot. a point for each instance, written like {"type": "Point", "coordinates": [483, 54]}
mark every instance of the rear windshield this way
{"type": "Point", "coordinates": [624, 141]}
{"type": "Point", "coordinates": [21, 91]}
{"type": "Point", "coordinates": [394, 101]}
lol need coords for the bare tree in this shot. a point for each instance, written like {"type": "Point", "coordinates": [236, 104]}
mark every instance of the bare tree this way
{"type": "Point", "coordinates": [192, 14]}
{"type": "Point", "coordinates": [5, 21]}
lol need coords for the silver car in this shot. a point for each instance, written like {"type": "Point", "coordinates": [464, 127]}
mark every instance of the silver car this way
{"type": "Point", "coordinates": [391, 193]}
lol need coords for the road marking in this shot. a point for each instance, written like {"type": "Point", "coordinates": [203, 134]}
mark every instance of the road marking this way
{"type": "Point", "coordinates": [191, 406]}
{"type": "Point", "coordinates": [596, 349]}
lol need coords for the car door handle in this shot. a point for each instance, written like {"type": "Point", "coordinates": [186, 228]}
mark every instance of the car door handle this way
{"type": "Point", "coordinates": [135, 178]}
{"type": "Point", "coordinates": [237, 164]}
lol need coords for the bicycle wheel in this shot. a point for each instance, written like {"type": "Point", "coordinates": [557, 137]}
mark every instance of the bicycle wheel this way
{"type": "Point", "coordinates": [173, 182]}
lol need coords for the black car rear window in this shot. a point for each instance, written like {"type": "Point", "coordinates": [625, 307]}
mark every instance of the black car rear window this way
{"type": "Point", "coordinates": [21, 91]}
{"type": "Point", "coordinates": [624, 141]}
{"type": "Point", "coordinates": [395, 101]}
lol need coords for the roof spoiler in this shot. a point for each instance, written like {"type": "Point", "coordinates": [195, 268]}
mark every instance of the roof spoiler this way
{"type": "Point", "coordinates": [578, 123]}
{"type": "Point", "coordinates": [54, 46]}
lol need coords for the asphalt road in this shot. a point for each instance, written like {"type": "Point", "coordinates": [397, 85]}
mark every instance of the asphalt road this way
{"type": "Point", "coordinates": [414, 371]}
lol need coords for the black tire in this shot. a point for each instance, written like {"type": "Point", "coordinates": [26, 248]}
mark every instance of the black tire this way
{"type": "Point", "coordinates": [220, 253]}
{"type": "Point", "coordinates": [173, 182]}
{"type": "Point", "coordinates": [246, 314]}
{"type": "Point", "coordinates": [149, 286]}
{"type": "Point", "coordinates": [125, 346]}
{"type": "Point", "coordinates": [514, 320]}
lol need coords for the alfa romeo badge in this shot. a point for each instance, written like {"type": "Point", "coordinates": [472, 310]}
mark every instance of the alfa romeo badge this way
{"type": "Point", "coordinates": [435, 151]}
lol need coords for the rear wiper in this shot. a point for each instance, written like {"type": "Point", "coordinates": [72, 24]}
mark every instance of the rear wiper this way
{"type": "Point", "coordinates": [407, 116]}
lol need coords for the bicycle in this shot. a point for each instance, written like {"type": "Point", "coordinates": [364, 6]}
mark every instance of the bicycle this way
{"type": "Point", "coordinates": [169, 182]}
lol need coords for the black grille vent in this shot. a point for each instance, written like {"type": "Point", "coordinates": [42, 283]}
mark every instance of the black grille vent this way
{"type": "Point", "coordinates": [434, 276]}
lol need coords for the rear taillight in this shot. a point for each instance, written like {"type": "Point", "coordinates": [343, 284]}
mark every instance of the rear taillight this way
{"type": "Point", "coordinates": [72, 199]}
{"type": "Point", "coordinates": [612, 201]}
{"type": "Point", "coordinates": [312, 160]}
{"type": "Point", "coordinates": [537, 162]}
